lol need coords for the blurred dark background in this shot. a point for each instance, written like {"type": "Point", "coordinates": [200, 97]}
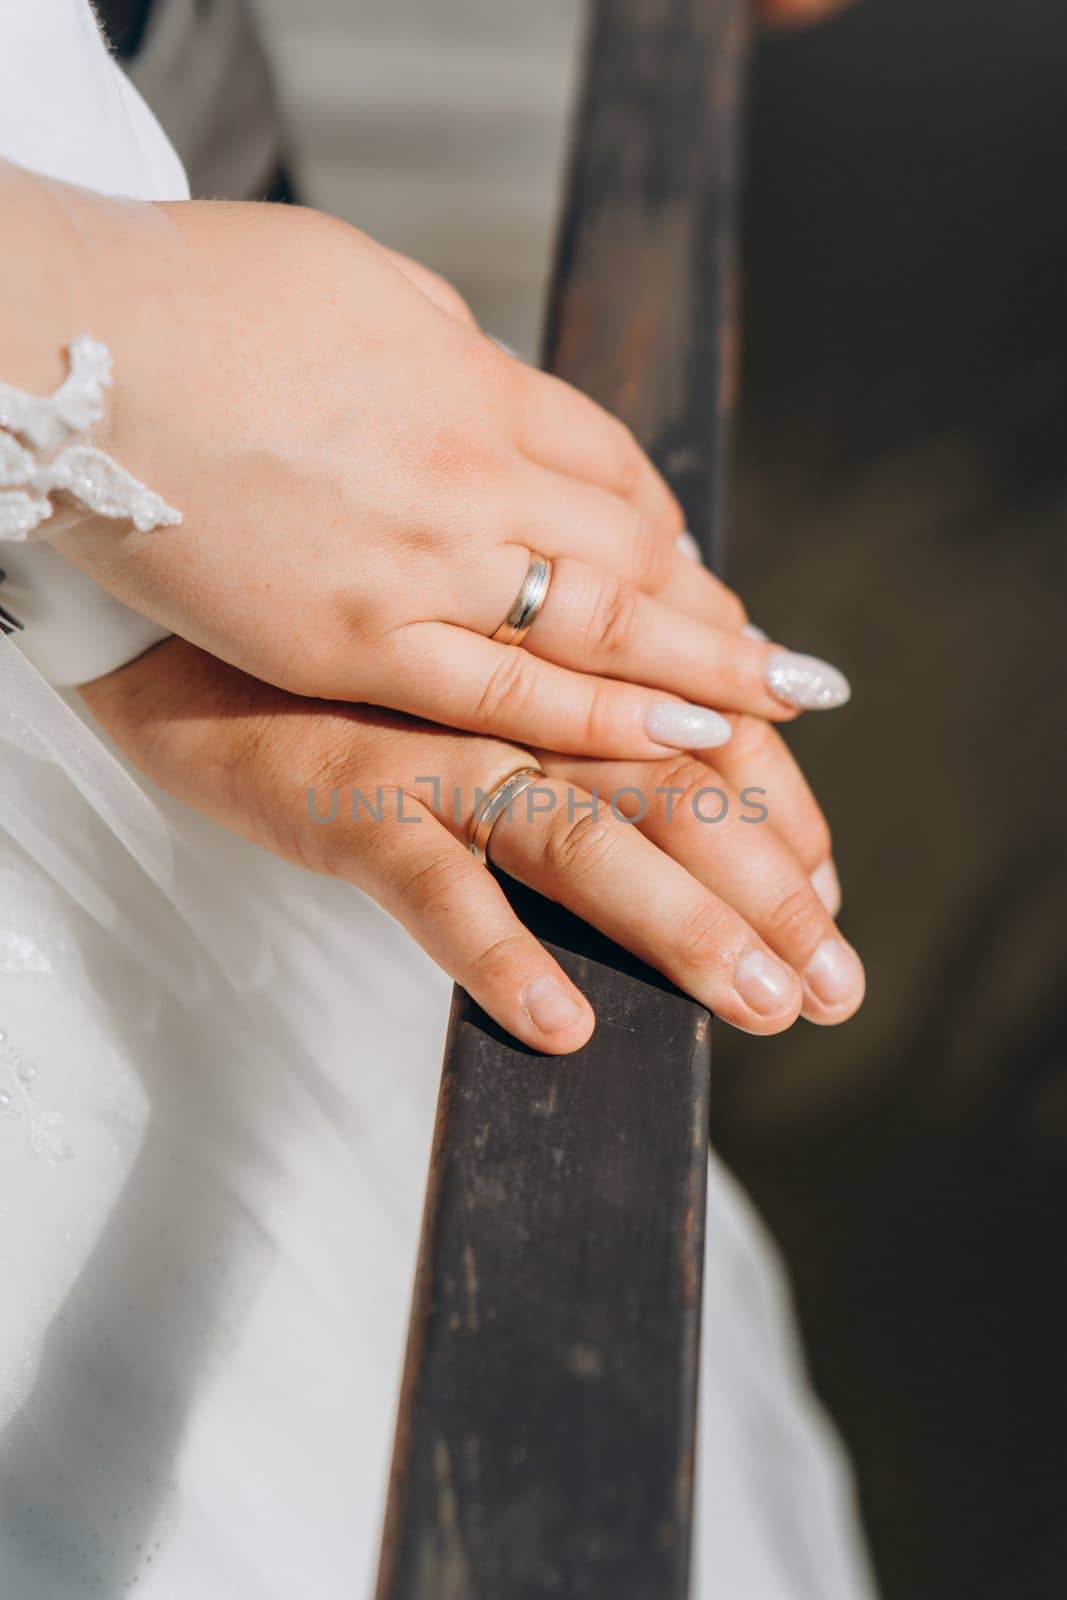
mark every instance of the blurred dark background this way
{"type": "Point", "coordinates": [899, 506]}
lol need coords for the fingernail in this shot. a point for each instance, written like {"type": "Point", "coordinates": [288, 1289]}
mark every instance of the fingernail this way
{"type": "Point", "coordinates": [835, 973]}
{"type": "Point", "coordinates": [550, 1007]}
{"type": "Point", "coordinates": [806, 682]}
{"type": "Point", "coordinates": [686, 727]}
{"type": "Point", "coordinates": [827, 886]}
{"type": "Point", "coordinates": [689, 547]}
{"type": "Point", "coordinates": [750, 631]}
{"type": "Point", "coordinates": [763, 983]}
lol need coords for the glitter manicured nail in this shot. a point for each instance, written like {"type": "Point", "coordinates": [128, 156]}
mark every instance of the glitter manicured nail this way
{"type": "Point", "coordinates": [686, 727]}
{"type": "Point", "coordinates": [806, 682]}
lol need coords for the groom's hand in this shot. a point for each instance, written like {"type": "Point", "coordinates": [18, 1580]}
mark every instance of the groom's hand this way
{"type": "Point", "coordinates": [726, 908]}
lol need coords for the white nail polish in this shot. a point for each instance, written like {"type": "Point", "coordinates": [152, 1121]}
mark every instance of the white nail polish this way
{"type": "Point", "coordinates": [686, 727]}
{"type": "Point", "coordinates": [689, 547]}
{"type": "Point", "coordinates": [827, 886]}
{"type": "Point", "coordinates": [750, 631]}
{"type": "Point", "coordinates": [806, 682]}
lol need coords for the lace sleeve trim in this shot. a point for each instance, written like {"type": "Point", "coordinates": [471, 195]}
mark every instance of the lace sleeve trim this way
{"type": "Point", "coordinates": [54, 458]}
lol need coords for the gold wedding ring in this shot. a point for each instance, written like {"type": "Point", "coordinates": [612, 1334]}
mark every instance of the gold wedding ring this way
{"type": "Point", "coordinates": [527, 604]}
{"type": "Point", "coordinates": [489, 812]}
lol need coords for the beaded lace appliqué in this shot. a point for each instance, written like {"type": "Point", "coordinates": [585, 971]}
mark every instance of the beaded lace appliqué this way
{"type": "Point", "coordinates": [42, 452]}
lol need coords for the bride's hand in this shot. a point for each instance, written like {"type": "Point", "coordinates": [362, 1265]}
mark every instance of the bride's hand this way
{"type": "Point", "coordinates": [726, 910]}
{"type": "Point", "coordinates": [363, 476]}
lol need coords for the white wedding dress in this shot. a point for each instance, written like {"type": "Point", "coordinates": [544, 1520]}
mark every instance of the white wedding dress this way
{"type": "Point", "coordinates": [217, 1085]}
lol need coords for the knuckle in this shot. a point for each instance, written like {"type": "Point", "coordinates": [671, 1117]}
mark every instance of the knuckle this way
{"type": "Point", "coordinates": [700, 792]}
{"type": "Point", "coordinates": [795, 914]}
{"type": "Point", "coordinates": [450, 299]}
{"type": "Point", "coordinates": [331, 835]}
{"type": "Point", "coordinates": [452, 456]}
{"type": "Point", "coordinates": [733, 613]}
{"type": "Point", "coordinates": [324, 657]}
{"type": "Point", "coordinates": [505, 693]}
{"type": "Point", "coordinates": [494, 960]}
{"type": "Point", "coordinates": [612, 626]}
{"type": "Point", "coordinates": [503, 381]}
{"type": "Point", "coordinates": [674, 516]}
{"type": "Point", "coordinates": [653, 554]}
{"type": "Point", "coordinates": [752, 740]}
{"type": "Point", "coordinates": [601, 722]}
{"type": "Point", "coordinates": [575, 846]}
{"type": "Point", "coordinates": [687, 774]}
{"type": "Point", "coordinates": [682, 771]}
{"type": "Point", "coordinates": [817, 842]}
{"type": "Point", "coordinates": [630, 460]}
{"type": "Point", "coordinates": [437, 886]}
{"type": "Point", "coordinates": [700, 936]}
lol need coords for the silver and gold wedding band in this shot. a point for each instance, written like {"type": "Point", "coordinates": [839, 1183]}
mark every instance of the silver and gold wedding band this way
{"type": "Point", "coordinates": [493, 807]}
{"type": "Point", "coordinates": [527, 604]}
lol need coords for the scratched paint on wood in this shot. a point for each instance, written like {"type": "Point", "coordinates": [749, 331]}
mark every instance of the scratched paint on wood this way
{"type": "Point", "coordinates": [546, 1429]}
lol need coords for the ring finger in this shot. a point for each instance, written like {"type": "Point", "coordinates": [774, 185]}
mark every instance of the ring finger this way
{"type": "Point", "coordinates": [597, 865]}
{"type": "Point", "coordinates": [593, 622]}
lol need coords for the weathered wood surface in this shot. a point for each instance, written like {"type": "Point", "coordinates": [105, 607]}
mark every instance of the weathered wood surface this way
{"type": "Point", "coordinates": [545, 1439]}
{"type": "Point", "coordinates": [641, 311]}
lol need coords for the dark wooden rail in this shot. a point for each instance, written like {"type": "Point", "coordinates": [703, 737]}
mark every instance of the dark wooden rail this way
{"type": "Point", "coordinates": [546, 1430]}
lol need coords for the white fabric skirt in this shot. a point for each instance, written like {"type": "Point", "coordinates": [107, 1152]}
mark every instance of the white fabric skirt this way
{"type": "Point", "coordinates": [217, 1087]}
